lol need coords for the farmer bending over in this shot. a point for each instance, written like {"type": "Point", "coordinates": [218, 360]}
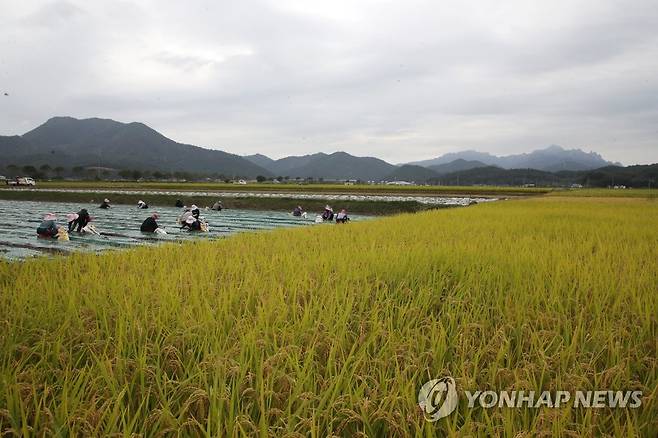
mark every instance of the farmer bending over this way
{"type": "Point", "coordinates": [150, 225]}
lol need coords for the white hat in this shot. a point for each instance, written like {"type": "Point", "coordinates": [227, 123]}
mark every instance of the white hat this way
{"type": "Point", "coordinates": [193, 207]}
{"type": "Point", "coordinates": [190, 220]}
{"type": "Point", "coordinates": [107, 201]}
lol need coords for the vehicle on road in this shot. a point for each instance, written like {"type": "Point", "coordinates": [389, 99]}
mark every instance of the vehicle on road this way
{"type": "Point", "coordinates": [21, 181]}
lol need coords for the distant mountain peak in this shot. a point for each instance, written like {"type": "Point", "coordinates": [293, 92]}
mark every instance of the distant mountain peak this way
{"type": "Point", "coordinates": [551, 158]}
{"type": "Point", "coordinates": [260, 156]}
{"type": "Point", "coordinates": [71, 142]}
{"type": "Point", "coordinates": [69, 119]}
{"type": "Point", "coordinates": [56, 119]}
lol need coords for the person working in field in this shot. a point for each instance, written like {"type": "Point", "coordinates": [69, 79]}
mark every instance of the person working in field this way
{"type": "Point", "coordinates": [342, 217]}
{"type": "Point", "coordinates": [217, 206]}
{"type": "Point", "coordinates": [142, 204]}
{"type": "Point", "coordinates": [195, 211]}
{"type": "Point", "coordinates": [192, 224]}
{"type": "Point", "coordinates": [150, 225]}
{"type": "Point", "coordinates": [328, 213]}
{"type": "Point", "coordinates": [183, 217]}
{"type": "Point", "coordinates": [71, 218]}
{"type": "Point", "coordinates": [82, 218]}
{"type": "Point", "coordinates": [48, 229]}
{"type": "Point", "coordinates": [105, 204]}
{"type": "Point", "coordinates": [298, 211]}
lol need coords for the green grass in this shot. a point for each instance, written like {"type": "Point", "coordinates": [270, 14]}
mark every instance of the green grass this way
{"type": "Point", "coordinates": [246, 202]}
{"type": "Point", "coordinates": [333, 329]}
{"type": "Point", "coordinates": [607, 193]}
{"type": "Point", "coordinates": [296, 187]}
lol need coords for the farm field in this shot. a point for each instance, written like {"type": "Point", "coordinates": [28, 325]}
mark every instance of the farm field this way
{"type": "Point", "coordinates": [296, 187]}
{"type": "Point", "coordinates": [250, 201]}
{"type": "Point", "coordinates": [607, 193]}
{"type": "Point", "coordinates": [120, 226]}
{"type": "Point", "coordinates": [320, 331]}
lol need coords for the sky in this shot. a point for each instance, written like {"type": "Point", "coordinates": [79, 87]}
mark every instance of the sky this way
{"type": "Point", "coordinates": [399, 80]}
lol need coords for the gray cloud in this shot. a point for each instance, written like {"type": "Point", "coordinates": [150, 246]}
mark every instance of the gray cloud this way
{"type": "Point", "coordinates": [398, 80]}
{"type": "Point", "coordinates": [53, 14]}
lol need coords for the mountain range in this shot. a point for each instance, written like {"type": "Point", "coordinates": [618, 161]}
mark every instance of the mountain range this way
{"type": "Point", "coordinates": [341, 165]}
{"type": "Point", "coordinates": [551, 159]}
{"type": "Point", "coordinates": [631, 176]}
{"type": "Point", "coordinates": [66, 141]}
{"type": "Point", "coordinates": [338, 165]}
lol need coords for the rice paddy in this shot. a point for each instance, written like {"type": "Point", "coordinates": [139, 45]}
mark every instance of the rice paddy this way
{"type": "Point", "coordinates": [120, 227]}
{"type": "Point", "coordinates": [299, 187]}
{"type": "Point", "coordinates": [321, 331]}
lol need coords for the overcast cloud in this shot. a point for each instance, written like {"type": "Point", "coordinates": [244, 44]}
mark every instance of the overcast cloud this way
{"type": "Point", "coordinates": [400, 80]}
